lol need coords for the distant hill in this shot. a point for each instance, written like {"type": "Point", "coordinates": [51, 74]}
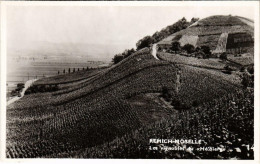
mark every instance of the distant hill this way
{"type": "Point", "coordinates": [73, 52]}
{"type": "Point", "coordinates": [231, 34]}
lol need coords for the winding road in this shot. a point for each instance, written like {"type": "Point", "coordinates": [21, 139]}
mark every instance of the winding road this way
{"type": "Point", "coordinates": [26, 86]}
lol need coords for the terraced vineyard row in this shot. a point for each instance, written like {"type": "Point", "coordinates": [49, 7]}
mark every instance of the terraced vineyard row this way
{"type": "Point", "coordinates": [226, 123]}
{"type": "Point", "coordinates": [193, 85]}
{"type": "Point", "coordinates": [192, 61]}
{"type": "Point", "coordinates": [100, 81]}
{"type": "Point", "coordinates": [71, 129]}
{"type": "Point", "coordinates": [125, 87]}
{"type": "Point", "coordinates": [139, 57]}
{"type": "Point", "coordinates": [118, 74]}
{"type": "Point", "coordinates": [99, 112]}
{"type": "Point", "coordinates": [196, 82]}
{"type": "Point", "coordinates": [135, 62]}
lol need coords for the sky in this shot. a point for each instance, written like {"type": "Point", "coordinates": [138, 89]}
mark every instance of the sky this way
{"type": "Point", "coordinates": [110, 26]}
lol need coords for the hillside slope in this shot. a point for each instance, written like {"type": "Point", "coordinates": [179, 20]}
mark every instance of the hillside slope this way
{"type": "Point", "coordinates": [231, 34]}
{"type": "Point", "coordinates": [97, 109]}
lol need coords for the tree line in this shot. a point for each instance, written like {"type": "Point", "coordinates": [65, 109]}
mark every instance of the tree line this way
{"type": "Point", "coordinates": [165, 32]}
{"type": "Point", "coordinates": [73, 70]}
{"type": "Point", "coordinates": [202, 51]}
{"type": "Point", "coordinates": [147, 41]}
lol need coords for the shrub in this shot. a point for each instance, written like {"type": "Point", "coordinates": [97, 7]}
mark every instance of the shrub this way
{"type": "Point", "coordinates": [175, 46]}
{"type": "Point", "coordinates": [206, 51]}
{"type": "Point", "coordinates": [188, 48]}
{"type": "Point", "coordinates": [223, 56]}
{"type": "Point", "coordinates": [250, 69]}
{"type": "Point", "coordinates": [145, 42]}
{"type": "Point", "coordinates": [242, 69]}
{"type": "Point", "coordinates": [20, 85]}
{"type": "Point", "coordinates": [117, 58]}
{"type": "Point", "coordinates": [247, 80]}
{"type": "Point", "coordinates": [227, 69]}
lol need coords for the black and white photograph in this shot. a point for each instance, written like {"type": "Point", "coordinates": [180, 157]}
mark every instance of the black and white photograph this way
{"type": "Point", "coordinates": [128, 81]}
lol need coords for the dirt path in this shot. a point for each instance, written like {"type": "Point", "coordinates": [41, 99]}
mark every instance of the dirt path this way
{"type": "Point", "coordinates": [154, 51]}
{"type": "Point", "coordinates": [178, 81]}
{"type": "Point", "coordinates": [26, 86]}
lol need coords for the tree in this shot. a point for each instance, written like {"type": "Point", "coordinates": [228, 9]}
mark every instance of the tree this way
{"type": "Point", "coordinates": [179, 25]}
{"type": "Point", "coordinates": [117, 58]}
{"type": "Point", "coordinates": [242, 69]}
{"type": "Point", "coordinates": [193, 20]}
{"type": "Point", "coordinates": [156, 36]}
{"type": "Point", "coordinates": [69, 70]}
{"type": "Point", "coordinates": [64, 71]}
{"type": "Point", "coordinates": [188, 48]}
{"type": "Point", "coordinates": [197, 49]}
{"type": "Point", "coordinates": [74, 70]}
{"type": "Point", "coordinates": [129, 52]}
{"type": "Point", "coordinates": [58, 72]}
{"type": "Point", "coordinates": [206, 51]}
{"type": "Point", "coordinates": [199, 53]}
{"type": "Point", "coordinates": [223, 56]}
{"type": "Point", "coordinates": [250, 69]}
{"type": "Point", "coordinates": [247, 80]}
{"type": "Point", "coordinates": [145, 42]}
{"type": "Point", "coordinates": [175, 46]}
{"type": "Point", "coordinates": [227, 69]}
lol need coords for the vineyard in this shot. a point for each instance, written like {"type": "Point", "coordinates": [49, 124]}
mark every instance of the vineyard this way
{"type": "Point", "coordinates": [138, 61]}
{"type": "Point", "coordinates": [212, 67]}
{"type": "Point", "coordinates": [193, 61]}
{"type": "Point", "coordinates": [244, 61]}
{"type": "Point", "coordinates": [225, 123]}
{"type": "Point", "coordinates": [112, 112]}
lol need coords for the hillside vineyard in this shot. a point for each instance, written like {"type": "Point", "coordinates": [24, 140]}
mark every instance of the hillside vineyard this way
{"type": "Point", "coordinates": [231, 34]}
{"type": "Point", "coordinates": [203, 105]}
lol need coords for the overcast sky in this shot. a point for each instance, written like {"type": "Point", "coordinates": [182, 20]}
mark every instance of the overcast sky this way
{"type": "Point", "coordinates": [122, 26]}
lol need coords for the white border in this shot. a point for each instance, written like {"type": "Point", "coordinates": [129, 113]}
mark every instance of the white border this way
{"type": "Point", "coordinates": [257, 85]}
{"type": "Point", "coordinates": [126, 3]}
{"type": "Point", "coordinates": [3, 82]}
